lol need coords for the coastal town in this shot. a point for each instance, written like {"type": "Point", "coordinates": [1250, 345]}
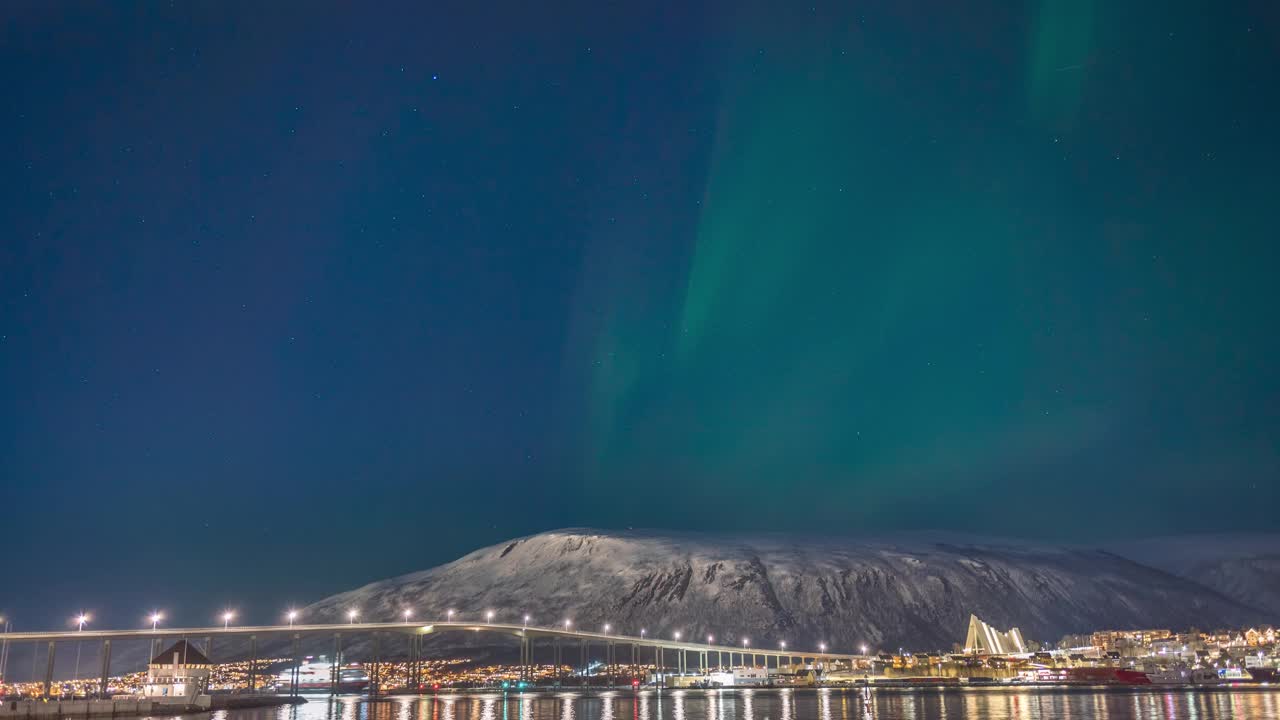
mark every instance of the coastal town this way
{"type": "Point", "coordinates": [988, 657]}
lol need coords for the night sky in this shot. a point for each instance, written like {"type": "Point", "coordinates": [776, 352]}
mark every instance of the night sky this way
{"type": "Point", "coordinates": [294, 296]}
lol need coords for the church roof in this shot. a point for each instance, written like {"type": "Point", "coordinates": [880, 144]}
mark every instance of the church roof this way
{"type": "Point", "coordinates": [187, 653]}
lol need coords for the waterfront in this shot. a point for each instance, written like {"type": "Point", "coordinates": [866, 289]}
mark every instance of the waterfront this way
{"type": "Point", "coordinates": [825, 704]}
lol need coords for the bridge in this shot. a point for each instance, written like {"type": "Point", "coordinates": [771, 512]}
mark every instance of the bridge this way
{"type": "Point", "coordinates": [705, 654]}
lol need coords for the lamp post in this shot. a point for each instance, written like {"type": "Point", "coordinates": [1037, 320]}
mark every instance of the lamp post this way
{"type": "Point", "coordinates": [4, 649]}
{"type": "Point", "coordinates": [526, 620]}
{"type": "Point", "coordinates": [156, 617]}
{"type": "Point", "coordinates": [293, 615]}
{"type": "Point", "coordinates": [448, 615]}
{"type": "Point", "coordinates": [76, 676]}
{"type": "Point", "coordinates": [227, 617]}
{"type": "Point", "coordinates": [408, 612]}
{"type": "Point", "coordinates": [710, 639]}
{"type": "Point", "coordinates": [352, 615]}
{"type": "Point", "coordinates": [488, 617]}
{"type": "Point", "coordinates": [606, 628]}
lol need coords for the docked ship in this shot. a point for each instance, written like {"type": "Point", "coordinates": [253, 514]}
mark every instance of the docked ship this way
{"type": "Point", "coordinates": [317, 676]}
{"type": "Point", "coordinates": [1089, 676]}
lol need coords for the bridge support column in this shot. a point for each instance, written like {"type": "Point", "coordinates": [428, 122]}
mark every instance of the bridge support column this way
{"type": "Point", "coordinates": [106, 668]}
{"type": "Point", "coordinates": [253, 663]}
{"type": "Point", "coordinates": [48, 671]}
{"type": "Point", "coordinates": [582, 652]}
{"type": "Point", "coordinates": [335, 666]}
{"type": "Point", "coordinates": [293, 671]}
{"type": "Point", "coordinates": [376, 679]}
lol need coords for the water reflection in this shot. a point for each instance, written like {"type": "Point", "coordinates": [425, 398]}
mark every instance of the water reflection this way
{"type": "Point", "coordinates": [787, 704]}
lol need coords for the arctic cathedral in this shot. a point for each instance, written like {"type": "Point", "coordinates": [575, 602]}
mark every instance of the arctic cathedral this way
{"type": "Point", "coordinates": [986, 640]}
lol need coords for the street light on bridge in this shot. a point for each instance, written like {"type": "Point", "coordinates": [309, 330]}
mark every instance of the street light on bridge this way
{"type": "Point", "coordinates": [526, 620]}
{"type": "Point", "coordinates": [863, 648]}
{"type": "Point", "coordinates": [677, 634]}
{"type": "Point", "coordinates": [710, 639]}
{"type": "Point", "coordinates": [567, 623]}
{"type": "Point", "coordinates": [448, 615]}
{"type": "Point", "coordinates": [407, 613]}
{"type": "Point", "coordinates": [351, 615]}
{"type": "Point", "coordinates": [156, 617]}
{"type": "Point", "coordinates": [227, 617]}
{"type": "Point", "coordinates": [488, 616]}
{"type": "Point", "coordinates": [606, 628]}
{"type": "Point", "coordinates": [82, 619]}
{"type": "Point", "coordinates": [293, 615]}
{"type": "Point", "coordinates": [782, 644]}
{"type": "Point", "coordinates": [822, 647]}
{"type": "Point", "coordinates": [642, 632]}
{"type": "Point", "coordinates": [745, 642]}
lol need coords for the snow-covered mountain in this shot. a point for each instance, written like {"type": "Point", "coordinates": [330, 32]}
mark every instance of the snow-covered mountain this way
{"type": "Point", "coordinates": [915, 593]}
{"type": "Point", "coordinates": [1243, 567]}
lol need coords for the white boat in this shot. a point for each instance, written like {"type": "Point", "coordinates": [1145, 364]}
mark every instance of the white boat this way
{"type": "Point", "coordinates": [317, 676]}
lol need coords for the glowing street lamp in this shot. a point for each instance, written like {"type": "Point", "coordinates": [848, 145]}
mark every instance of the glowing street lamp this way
{"type": "Point", "coordinates": [606, 628]}
{"type": "Point", "coordinates": [710, 639]}
{"type": "Point", "coordinates": [863, 648]}
{"type": "Point", "coordinates": [351, 616]}
{"type": "Point", "coordinates": [407, 613]}
{"type": "Point", "coordinates": [745, 643]}
{"type": "Point", "coordinates": [448, 615]}
{"type": "Point", "coordinates": [782, 645]}
{"type": "Point", "coordinates": [822, 647]}
{"type": "Point", "coordinates": [677, 634]}
{"type": "Point", "coordinates": [227, 617]}
{"type": "Point", "coordinates": [156, 617]}
{"type": "Point", "coordinates": [567, 624]}
{"type": "Point", "coordinates": [81, 620]}
{"type": "Point", "coordinates": [488, 616]}
{"type": "Point", "coordinates": [293, 615]}
{"type": "Point", "coordinates": [526, 620]}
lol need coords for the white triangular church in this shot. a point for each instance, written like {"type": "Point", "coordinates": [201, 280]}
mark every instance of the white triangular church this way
{"type": "Point", "coordinates": [986, 640]}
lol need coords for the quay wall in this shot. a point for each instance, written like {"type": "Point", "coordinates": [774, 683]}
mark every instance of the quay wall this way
{"type": "Point", "coordinates": [22, 709]}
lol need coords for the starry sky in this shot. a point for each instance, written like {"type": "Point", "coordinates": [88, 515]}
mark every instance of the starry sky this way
{"type": "Point", "coordinates": [295, 296]}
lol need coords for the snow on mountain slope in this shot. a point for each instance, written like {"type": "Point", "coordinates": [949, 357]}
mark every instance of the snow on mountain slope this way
{"type": "Point", "coordinates": [1243, 567]}
{"type": "Point", "coordinates": [886, 593]}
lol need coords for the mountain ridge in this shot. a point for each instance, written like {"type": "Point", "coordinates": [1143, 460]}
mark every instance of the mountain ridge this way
{"type": "Point", "coordinates": [888, 592]}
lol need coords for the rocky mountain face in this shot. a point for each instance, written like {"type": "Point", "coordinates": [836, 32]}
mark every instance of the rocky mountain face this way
{"type": "Point", "coordinates": [913, 593]}
{"type": "Point", "coordinates": [1243, 567]}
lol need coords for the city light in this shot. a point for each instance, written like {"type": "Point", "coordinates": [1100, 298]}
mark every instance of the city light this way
{"type": "Point", "coordinates": [82, 619]}
{"type": "Point", "coordinates": [863, 648]}
{"type": "Point", "coordinates": [449, 615]}
{"type": "Point", "coordinates": [293, 615]}
{"type": "Point", "coordinates": [227, 617]}
{"type": "Point", "coordinates": [488, 616]}
{"type": "Point", "coordinates": [745, 642]}
{"type": "Point", "coordinates": [526, 620]}
{"type": "Point", "coordinates": [407, 613]}
{"type": "Point", "coordinates": [783, 644]}
{"type": "Point", "coordinates": [710, 639]}
{"type": "Point", "coordinates": [351, 616]}
{"type": "Point", "coordinates": [677, 634]}
{"type": "Point", "coordinates": [822, 647]}
{"type": "Point", "coordinates": [567, 623]}
{"type": "Point", "coordinates": [606, 627]}
{"type": "Point", "coordinates": [642, 632]}
{"type": "Point", "coordinates": [156, 617]}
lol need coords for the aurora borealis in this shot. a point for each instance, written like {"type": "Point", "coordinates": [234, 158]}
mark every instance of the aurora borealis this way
{"type": "Point", "coordinates": [381, 287]}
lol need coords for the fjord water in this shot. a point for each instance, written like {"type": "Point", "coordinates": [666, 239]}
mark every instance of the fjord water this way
{"type": "Point", "coordinates": [824, 704]}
